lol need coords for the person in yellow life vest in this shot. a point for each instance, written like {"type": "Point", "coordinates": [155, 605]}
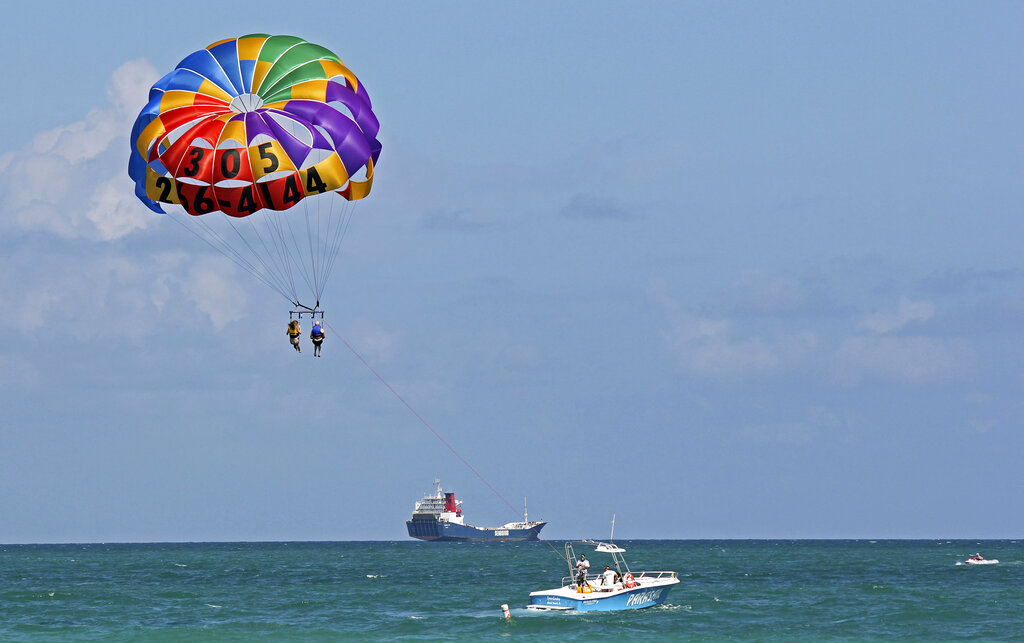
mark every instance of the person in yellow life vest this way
{"type": "Point", "coordinates": [294, 332]}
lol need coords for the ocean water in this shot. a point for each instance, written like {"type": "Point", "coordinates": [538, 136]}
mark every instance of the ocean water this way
{"type": "Point", "coordinates": [751, 590]}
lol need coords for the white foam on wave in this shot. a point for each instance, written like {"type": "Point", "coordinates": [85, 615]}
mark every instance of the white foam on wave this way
{"type": "Point", "coordinates": [671, 606]}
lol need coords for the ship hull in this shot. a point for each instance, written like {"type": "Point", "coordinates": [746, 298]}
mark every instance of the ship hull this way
{"type": "Point", "coordinates": [438, 531]}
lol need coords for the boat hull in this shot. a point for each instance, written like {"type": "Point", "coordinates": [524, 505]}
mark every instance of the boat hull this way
{"type": "Point", "coordinates": [439, 531]}
{"type": "Point", "coordinates": [626, 599]}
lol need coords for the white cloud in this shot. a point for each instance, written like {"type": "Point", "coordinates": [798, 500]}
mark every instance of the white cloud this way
{"type": "Point", "coordinates": [758, 293]}
{"type": "Point", "coordinates": [214, 293]}
{"type": "Point", "coordinates": [908, 359]}
{"type": "Point", "coordinates": [127, 92]}
{"type": "Point", "coordinates": [104, 297]}
{"type": "Point", "coordinates": [72, 180]}
{"type": "Point", "coordinates": [115, 211]}
{"type": "Point", "coordinates": [912, 359]}
{"type": "Point", "coordinates": [709, 346]}
{"type": "Point", "coordinates": [37, 179]}
{"type": "Point", "coordinates": [73, 300]}
{"type": "Point", "coordinates": [82, 140]}
{"type": "Point", "coordinates": [721, 356]}
{"type": "Point", "coordinates": [907, 312]}
{"type": "Point", "coordinates": [128, 89]}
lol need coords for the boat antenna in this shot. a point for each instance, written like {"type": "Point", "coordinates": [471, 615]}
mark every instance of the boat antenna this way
{"type": "Point", "coordinates": [526, 514]}
{"type": "Point", "coordinates": [611, 538]}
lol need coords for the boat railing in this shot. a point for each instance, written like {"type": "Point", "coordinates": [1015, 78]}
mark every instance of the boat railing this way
{"type": "Point", "coordinates": [594, 580]}
{"type": "Point", "coordinates": [653, 575]}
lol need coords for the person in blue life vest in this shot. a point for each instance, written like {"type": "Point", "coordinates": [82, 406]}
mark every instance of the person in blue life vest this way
{"type": "Point", "coordinates": [294, 332]}
{"type": "Point", "coordinates": [317, 335]}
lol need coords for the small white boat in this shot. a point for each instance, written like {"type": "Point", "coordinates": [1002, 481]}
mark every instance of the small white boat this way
{"type": "Point", "coordinates": [619, 590]}
{"type": "Point", "coordinates": [978, 559]}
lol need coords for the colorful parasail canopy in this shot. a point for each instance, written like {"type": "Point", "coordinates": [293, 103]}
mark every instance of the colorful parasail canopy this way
{"type": "Point", "coordinates": [251, 123]}
{"type": "Point", "coordinates": [255, 123]}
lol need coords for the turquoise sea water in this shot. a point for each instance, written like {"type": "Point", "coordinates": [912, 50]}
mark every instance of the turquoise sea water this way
{"type": "Point", "coordinates": [751, 590]}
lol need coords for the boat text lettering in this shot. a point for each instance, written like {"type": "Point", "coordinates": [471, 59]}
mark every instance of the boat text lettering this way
{"type": "Point", "coordinates": [646, 596]}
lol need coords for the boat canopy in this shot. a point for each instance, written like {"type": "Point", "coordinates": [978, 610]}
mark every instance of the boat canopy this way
{"type": "Point", "coordinates": [608, 548]}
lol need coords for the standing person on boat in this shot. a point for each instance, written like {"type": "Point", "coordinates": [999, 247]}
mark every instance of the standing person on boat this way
{"type": "Point", "coordinates": [317, 335]}
{"type": "Point", "coordinates": [582, 567]}
{"type": "Point", "coordinates": [294, 331]}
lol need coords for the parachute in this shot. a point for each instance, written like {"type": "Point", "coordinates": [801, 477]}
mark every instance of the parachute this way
{"type": "Point", "coordinates": [263, 141]}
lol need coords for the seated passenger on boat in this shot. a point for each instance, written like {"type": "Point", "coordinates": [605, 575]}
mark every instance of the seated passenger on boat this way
{"type": "Point", "coordinates": [608, 578]}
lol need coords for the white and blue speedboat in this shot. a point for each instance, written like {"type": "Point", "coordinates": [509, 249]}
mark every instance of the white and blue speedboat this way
{"type": "Point", "coordinates": [617, 588]}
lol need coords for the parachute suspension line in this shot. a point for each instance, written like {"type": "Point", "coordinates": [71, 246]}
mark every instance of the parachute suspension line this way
{"type": "Point", "coordinates": [325, 244]}
{"type": "Point", "coordinates": [323, 241]}
{"type": "Point", "coordinates": [340, 223]}
{"type": "Point", "coordinates": [280, 227]}
{"type": "Point", "coordinates": [312, 254]}
{"type": "Point", "coordinates": [278, 271]}
{"type": "Point", "coordinates": [326, 238]}
{"type": "Point", "coordinates": [267, 268]}
{"type": "Point", "coordinates": [286, 221]}
{"type": "Point", "coordinates": [281, 224]}
{"type": "Point", "coordinates": [420, 418]}
{"type": "Point", "coordinates": [332, 241]}
{"type": "Point", "coordinates": [227, 251]}
{"type": "Point", "coordinates": [325, 229]}
{"type": "Point", "coordinates": [348, 211]}
{"type": "Point", "coordinates": [268, 246]}
{"type": "Point", "coordinates": [329, 237]}
{"type": "Point", "coordinates": [277, 252]}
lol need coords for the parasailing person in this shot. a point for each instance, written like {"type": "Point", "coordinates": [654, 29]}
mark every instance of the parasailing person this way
{"type": "Point", "coordinates": [294, 332]}
{"type": "Point", "coordinates": [317, 337]}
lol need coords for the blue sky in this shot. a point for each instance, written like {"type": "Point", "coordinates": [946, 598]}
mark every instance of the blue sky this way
{"type": "Point", "coordinates": [725, 270]}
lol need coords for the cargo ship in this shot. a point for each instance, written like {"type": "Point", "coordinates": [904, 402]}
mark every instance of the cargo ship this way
{"type": "Point", "coordinates": [438, 517]}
